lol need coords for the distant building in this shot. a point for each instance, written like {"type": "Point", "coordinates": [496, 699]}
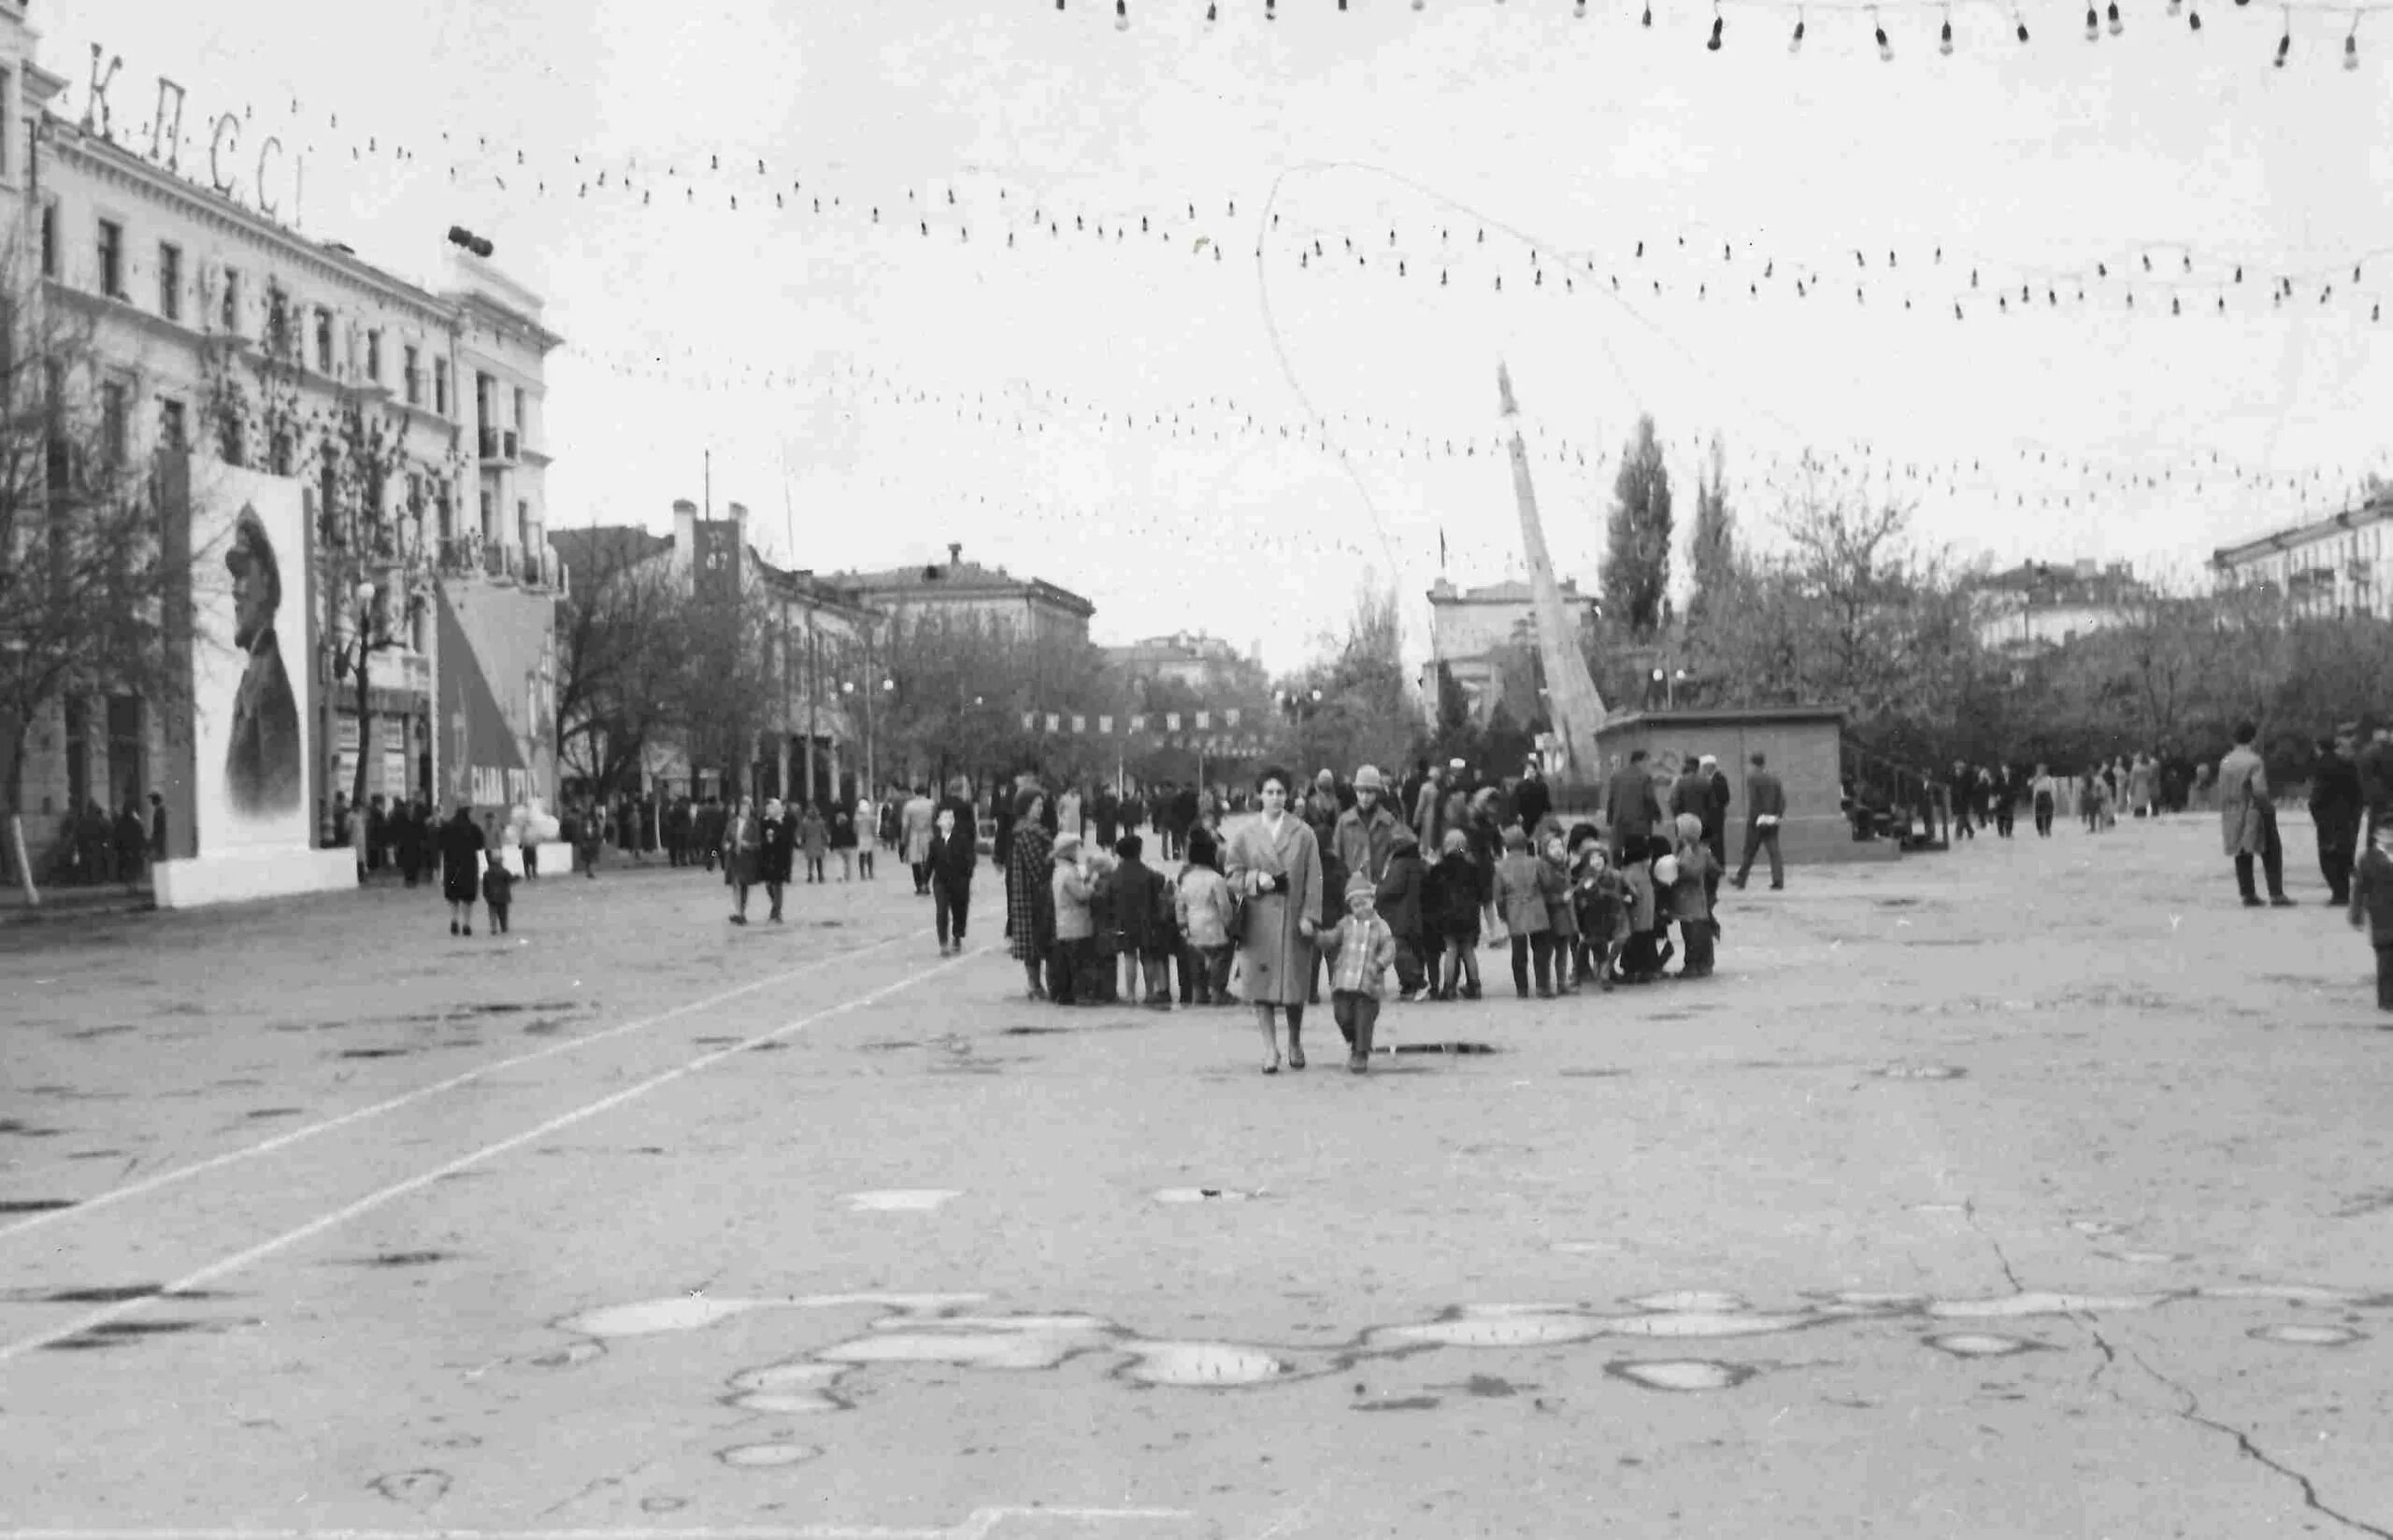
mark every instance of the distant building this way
{"type": "Point", "coordinates": [1197, 661]}
{"type": "Point", "coordinates": [819, 729]}
{"type": "Point", "coordinates": [1028, 606]}
{"type": "Point", "coordinates": [2039, 605]}
{"type": "Point", "coordinates": [2331, 566]}
{"type": "Point", "coordinates": [1469, 628]}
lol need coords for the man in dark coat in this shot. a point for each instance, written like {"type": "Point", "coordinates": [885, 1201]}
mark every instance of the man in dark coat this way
{"type": "Point", "coordinates": [1715, 813]}
{"type": "Point", "coordinates": [157, 828]}
{"type": "Point", "coordinates": [1532, 799]}
{"type": "Point", "coordinates": [2375, 766]}
{"type": "Point", "coordinates": [1765, 807]}
{"type": "Point", "coordinates": [1141, 900]}
{"type": "Point", "coordinates": [1105, 811]}
{"type": "Point", "coordinates": [1692, 790]}
{"type": "Point", "coordinates": [1630, 807]}
{"type": "Point", "coordinates": [2336, 811]}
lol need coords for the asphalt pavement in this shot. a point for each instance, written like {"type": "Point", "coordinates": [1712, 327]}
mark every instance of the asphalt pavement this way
{"type": "Point", "coordinates": [2035, 1189]}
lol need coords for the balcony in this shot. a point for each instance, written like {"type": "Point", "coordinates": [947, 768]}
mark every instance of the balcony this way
{"type": "Point", "coordinates": [497, 445]}
{"type": "Point", "coordinates": [471, 556]}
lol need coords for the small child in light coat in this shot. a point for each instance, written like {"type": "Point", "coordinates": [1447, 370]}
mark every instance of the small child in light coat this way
{"type": "Point", "coordinates": [1360, 949]}
{"type": "Point", "coordinates": [1690, 903]}
{"type": "Point", "coordinates": [1206, 909]}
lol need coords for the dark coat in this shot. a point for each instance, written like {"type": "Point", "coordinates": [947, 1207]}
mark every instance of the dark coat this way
{"type": "Point", "coordinates": [2373, 896]}
{"type": "Point", "coordinates": [1691, 792]}
{"type": "Point", "coordinates": [1630, 807]}
{"type": "Point", "coordinates": [1531, 801]}
{"type": "Point", "coordinates": [1766, 796]}
{"type": "Point", "coordinates": [1450, 900]}
{"type": "Point", "coordinates": [461, 859]}
{"type": "Point", "coordinates": [1398, 897]}
{"type": "Point", "coordinates": [1142, 905]}
{"type": "Point", "coordinates": [2375, 766]}
{"type": "Point", "coordinates": [953, 859]}
{"type": "Point", "coordinates": [780, 844]}
{"type": "Point", "coordinates": [966, 848]}
{"type": "Point", "coordinates": [1716, 810]}
{"type": "Point", "coordinates": [2335, 800]}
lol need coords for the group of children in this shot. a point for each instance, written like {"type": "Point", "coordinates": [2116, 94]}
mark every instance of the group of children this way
{"type": "Point", "coordinates": [1573, 916]}
{"type": "Point", "coordinates": [1118, 920]}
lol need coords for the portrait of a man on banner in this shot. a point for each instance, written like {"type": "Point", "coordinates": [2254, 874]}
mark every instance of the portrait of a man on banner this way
{"type": "Point", "coordinates": [262, 757]}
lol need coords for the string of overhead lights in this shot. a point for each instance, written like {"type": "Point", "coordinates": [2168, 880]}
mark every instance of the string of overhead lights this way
{"type": "Point", "coordinates": [2097, 20]}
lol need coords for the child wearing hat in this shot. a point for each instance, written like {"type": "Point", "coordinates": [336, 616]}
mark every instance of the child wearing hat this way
{"type": "Point", "coordinates": [2373, 898]}
{"type": "Point", "coordinates": [1074, 927]}
{"type": "Point", "coordinates": [1450, 894]}
{"type": "Point", "coordinates": [1360, 949]}
{"type": "Point", "coordinates": [1690, 901]}
{"type": "Point", "coordinates": [1522, 885]}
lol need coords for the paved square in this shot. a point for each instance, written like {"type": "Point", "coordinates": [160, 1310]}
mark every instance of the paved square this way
{"type": "Point", "coordinates": [2036, 1189]}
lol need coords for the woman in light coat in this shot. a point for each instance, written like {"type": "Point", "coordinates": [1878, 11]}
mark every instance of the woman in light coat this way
{"type": "Point", "coordinates": [1274, 866]}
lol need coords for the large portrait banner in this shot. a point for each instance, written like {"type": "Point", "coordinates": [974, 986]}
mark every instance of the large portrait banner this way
{"type": "Point", "coordinates": [250, 672]}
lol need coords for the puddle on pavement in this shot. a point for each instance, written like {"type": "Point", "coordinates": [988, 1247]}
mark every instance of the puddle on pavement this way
{"type": "Point", "coordinates": [263, 1113]}
{"type": "Point", "coordinates": [2006, 1306]}
{"type": "Point", "coordinates": [12, 1127]}
{"type": "Point", "coordinates": [1920, 1072]}
{"type": "Point", "coordinates": [35, 1205]}
{"type": "Point", "coordinates": [1446, 1048]}
{"type": "Point", "coordinates": [1980, 1344]}
{"type": "Point", "coordinates": [403, 1258]}
{"type": "Point", "coordinates": [1405, 1404]}
{"type": "Point", "coordinates": [900, 1201]}
{"type": "Point", "coordinates": [2307, 1336]}
{"type": "Point", "coordinates": [118, 1332]}
{"type": "Point", "coordinates": [113, 1294]}
{"type": "Point", "coordinates": [2290, 1294]}
{"type": "Point", "coordinates": [1694, 1373]}
{"type": "Point", "coordinates": [376, 1053]}
{"type": "Point", "coordinates": [1688, 1299]}
{"type": "Point", "coordinates": [1498, 1330]}
{"type": "Point", "coordinates": [753, 1456]}
{"type": "Point", "coordinates": [1202, 1363]}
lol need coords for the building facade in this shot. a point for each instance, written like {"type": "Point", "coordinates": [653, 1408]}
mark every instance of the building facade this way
{"type": "Point", "coordinates": [2329, 568]}
{"type": "Point", "coordinates": [1025, 607]}
{"type": "Point", "coordinates": [1469, 629]}
{"type": "Point", "coordinates": [202, 323]}
{"type": "Point", "coordinates": [818, 736]}
{"type": "Point", "coordinates": [2039, 605]}
{"type": "Point", "coordinates": [1198, 662]}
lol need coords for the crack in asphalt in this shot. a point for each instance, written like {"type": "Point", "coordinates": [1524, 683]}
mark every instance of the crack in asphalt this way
{"type": "Point", "coordinates": [1970, 1212]}
{"type": "Point", "coordinates": [596, 1486]}
{"type": "Point", "coordinates": [2110, 1356]}
{"type": "Point", "coordinates": [2192, 1412]}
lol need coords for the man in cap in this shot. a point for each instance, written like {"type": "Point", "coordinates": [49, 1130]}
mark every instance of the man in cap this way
{"type": "Point", "coordinates": [262, 768]}
{"type": "Point", "coordinates": [1365, 833]}
{"type": "Point", "coordinates": [1715, 813]}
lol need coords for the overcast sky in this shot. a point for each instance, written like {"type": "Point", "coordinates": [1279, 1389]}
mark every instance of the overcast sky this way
{"type": "Point", "coordinates": [874, 394]}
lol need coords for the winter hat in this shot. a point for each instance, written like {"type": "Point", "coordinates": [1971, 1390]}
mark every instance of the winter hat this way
{"type": "Point", "coordinates": [1359, 883]}
{"type": "Point", "coordinates": [1066, 845]}
{"type": "Point", "coordinates": [1690, 827]}
{"type": "Point", "coordinates": [1454, 843]}
{"type": "Point", "coordinates": [1325, 781]}
{"type": "Point", "coordinates": [1515, 837]}
{"type": "Point", "coordinates": [1368, 779]}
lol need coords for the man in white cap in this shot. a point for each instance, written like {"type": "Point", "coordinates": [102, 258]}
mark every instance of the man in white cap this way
{"type": "Point", "coordinates": [1365, 832]}
{"type": "Point", "coordinates": [1715, 813]}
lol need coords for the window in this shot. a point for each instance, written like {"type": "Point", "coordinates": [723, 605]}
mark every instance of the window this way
{"type": "Point", "coordinates": [232, 439]}
{"type": "Point", "coordinates": [53, 379]}
{"type": "Point", "coordinates": [170, 280]}
{"type": "Point", "coordinates": [232, 316]}
{"type": "Point", "coordinates": [414, 376]}
{"type": "Point", "coordinates": [518, 422]}
{"type": "Point", "coordinates": [374, 356]}
{"type": "Point", "coordinates": [323, 340]}
{"type": "Point", "coordinates": [524, 523]}
{"type": "Point", "coordinates": [440, 385]}
{"type": "Point", "coordinates": [8, 117]}
{"type": "Point", "coordinates": [278, 340]}
{"type": "Point", "coordinates": [279, 459]}
{"type": "Point", "coordinates": [170, 425]}
{"type": "Point", "coordinates": [112, 423]}
{"type": "Point", "coordinates": [111, 259]}
{"type": "Point", "coordinates": [50, 240]}
{"type": "Point", "coordinates": [489, 514]}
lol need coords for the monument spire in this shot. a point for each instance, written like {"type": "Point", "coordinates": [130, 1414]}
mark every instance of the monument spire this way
{"type": "Point", "coordinates": [1572, 704]}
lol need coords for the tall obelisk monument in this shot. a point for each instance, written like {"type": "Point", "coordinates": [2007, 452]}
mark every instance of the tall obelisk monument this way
{"type": "Point", "coordinates": [1572, 705]}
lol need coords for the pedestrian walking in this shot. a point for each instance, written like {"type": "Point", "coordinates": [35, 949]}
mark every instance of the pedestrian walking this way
{"type": "Point", "coordinates": [867, 822]}
{"type": "Point", "coordinates": [777, 846]}
{"type": "Point", "coordinates": [1765, 809]}
{"type": "Point", "coordinates": [499, 891]}
{"type": "Point", "coordinates": [953, 856]}
{"type": "Point", "coordinates": [742, 845]}
{"type": "Point", "coordinates": [2247, 820]}
{"type": "Point", "coordinates": [1361, 948]}
{"type": "Point", "coordinates": [2042, 792]}
{"type": "Point", "coordinates": [814, 842]}
{"type": "Point", "coordinates": [461, 859]}
{"type": "Point", "coordinates": [1275, 869]}
{"type": "Point", "coordinates": [919, 815]}
{"type": "Point", "coordinates": [157, 828]}
{"type": "Point", "coordinates": [131, 843]}
{"type": "Point", "coordinates": [2337, 812]}
{"type": "Point", "coordinates": [1397, 900]}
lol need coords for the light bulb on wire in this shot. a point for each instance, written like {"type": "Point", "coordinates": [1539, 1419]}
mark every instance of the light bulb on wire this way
{"type": "Point", "coordinates": [1886, 49]}
{"type": "Point", "coordinates": [1794, 44]}
{"type": "Point", "coordinates": [1121, 15]}
{"type": "Point", "coordinates": [1647, 19]}
{"type": "Point", "coordinates": [2351, 60]}
{"type": "Point", "coordinates": [2285, 43]}
{"type": "Point", "coordinates": [1713, 45]}
{"type": "Point", "coordinates": [1945, 39]}
{"type": "Point", "coordinates": [2093, 25]}
{"type": "Point", "coordinates": [2194, 19]}
{"type": "Point", "coordinates": [2118, 26]}
{"type": "Point", "coordinates": [2022, 24]}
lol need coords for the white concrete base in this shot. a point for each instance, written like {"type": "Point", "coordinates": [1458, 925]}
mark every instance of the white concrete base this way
{"type": "Point", "coordinates": [236, 877]}
{"type": "Point", "coordinates": [556, 857]}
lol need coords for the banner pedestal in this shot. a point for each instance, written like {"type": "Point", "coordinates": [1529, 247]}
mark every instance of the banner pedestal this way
{"type": "Point", "coordinates": [235, 876]}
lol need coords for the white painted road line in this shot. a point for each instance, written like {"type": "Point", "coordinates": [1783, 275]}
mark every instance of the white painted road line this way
{"type": "Point", "coordinates": [374, 1199]}
{"type": "Point", "coordinates": [284, 1140]}
{"type": "Point", "coordinates": [981, 1523]}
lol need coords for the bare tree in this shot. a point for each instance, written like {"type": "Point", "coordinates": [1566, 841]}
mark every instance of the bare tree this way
{"type": "Point", "coordinates": [86, 583]}
{"type": "Point", "coordinates": [618, 653]}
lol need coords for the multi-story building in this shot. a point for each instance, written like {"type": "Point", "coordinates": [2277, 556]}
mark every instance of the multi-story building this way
{"type": "Point", "coordinates": [1470, 628]}
{"type": "Point", "coordinates": [2039, 605]}
{"type": "Point", "coordinates": [203, 322]}
{"type": "Point", "coordinates": [1026, 606]}
{"type": "Point", "coordinates": [2330, 567]}
{"type": "Point", "coordinates": [1197, 661]}
{"type": "Point", "coordinates": [817, 739]}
